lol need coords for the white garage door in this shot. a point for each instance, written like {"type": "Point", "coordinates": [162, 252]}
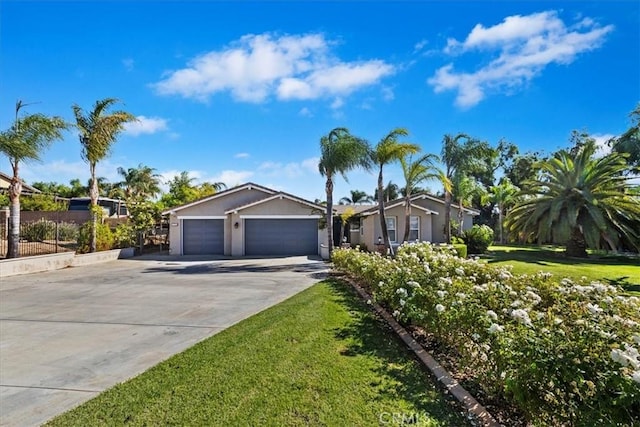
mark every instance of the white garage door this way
{"type": "Point", "coordinates": [281, 237]}
{"type": "Point", "coordinates": [203, 237]}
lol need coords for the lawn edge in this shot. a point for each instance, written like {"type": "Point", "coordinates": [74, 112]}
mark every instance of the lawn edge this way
{"type": "Point", "coordinates": [470, 404]}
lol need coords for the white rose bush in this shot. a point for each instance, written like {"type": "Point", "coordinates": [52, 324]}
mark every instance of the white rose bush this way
{"type": "Point", "coordinates": [562, 352]}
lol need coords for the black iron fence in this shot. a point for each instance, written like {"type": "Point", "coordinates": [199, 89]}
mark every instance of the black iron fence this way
{"type": "Point", "coordinates": [41, 237]}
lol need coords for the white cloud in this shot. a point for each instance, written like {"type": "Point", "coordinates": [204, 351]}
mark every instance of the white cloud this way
{"type": "Point", "coordinates": [305, 112]}
{"type": "Point", "coordinates": [289, 170]}
{"type": "Point", "coordinates": [232, 177]}
{"type": "Point", "coordinates": [387, 94]}
{"type": "Point", "coordinates": [337, 103]}
{"type": "Point", "coordinates": [145, 125]}
{"type": "Point", "coordinates": [63, 171]}
{"type": "Point", "coordinates": [241, 155]}
{"type": "Point", "coordinates": [257, 67]}
{"type": "Point", "coordinates": [522, 46]}
{"type": "Point", "coordinates": [420, 45]}
{"type": "Point", "coordinates": [601, 142]}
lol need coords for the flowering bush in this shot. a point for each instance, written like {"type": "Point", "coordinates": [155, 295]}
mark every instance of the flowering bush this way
{"type": "Point", "coordinates": [562, 352]}
{"type": "Point", "coordinates": [478, 238]}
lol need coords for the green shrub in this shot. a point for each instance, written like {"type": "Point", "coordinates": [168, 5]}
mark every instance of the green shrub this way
{"type": "Point", "coordinates": [461, 249]}
{"type": "Point", "coordinates": [478, 238]}
{"type": "Point", "coordinates": [124, 236]}
{"type": "Point", "coordinates": [38, 231]}
{"type": "Point", "coordinates": [562, 352]}
{"type": "Point", "coordinates": [68, 232]}
{"type": "Point", "coordinates": [104, 237]}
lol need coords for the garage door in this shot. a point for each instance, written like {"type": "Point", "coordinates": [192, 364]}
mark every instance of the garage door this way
{"type": "Point", "coordinates": [281, 237]}
{"type": "Point", "coordinates": [203, 237]}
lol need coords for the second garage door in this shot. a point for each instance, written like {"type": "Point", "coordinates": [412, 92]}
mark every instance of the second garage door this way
{"type": "Point", "coordinates": [203, 237]}
{"type": "Point", "coordinates": [281, 237]}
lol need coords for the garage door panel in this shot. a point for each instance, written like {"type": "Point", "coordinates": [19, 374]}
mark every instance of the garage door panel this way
{"type": "Point", "coordinates": [281, 236]}
{"type": "Point", "coordinates": [203, 237]}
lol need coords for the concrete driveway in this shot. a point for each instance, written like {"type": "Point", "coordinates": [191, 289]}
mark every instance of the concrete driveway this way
{"type": "Point", "coordinates": [67, 335]}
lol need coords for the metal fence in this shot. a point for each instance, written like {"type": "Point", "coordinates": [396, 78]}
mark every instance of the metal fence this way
{"type": "Point", "coordinates": [41, 237]}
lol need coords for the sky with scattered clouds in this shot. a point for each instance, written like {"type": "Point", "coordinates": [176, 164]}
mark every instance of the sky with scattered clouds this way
{"type": "Point", "coordinates": [243, 91]}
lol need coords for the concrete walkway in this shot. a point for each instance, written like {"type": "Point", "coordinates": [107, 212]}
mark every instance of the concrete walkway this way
{"type": "Point", "coordinates": [67, 335]}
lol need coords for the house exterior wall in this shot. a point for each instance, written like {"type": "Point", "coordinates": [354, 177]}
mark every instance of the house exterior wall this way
{"type": "Point", "coordinates": [279, 207]}
{"type": "Point", "coordinates": [220, 205]}
{"type": "Point", "coordinates": [438, 220]}
{"type": "Point", "coordinates": [372, 229]}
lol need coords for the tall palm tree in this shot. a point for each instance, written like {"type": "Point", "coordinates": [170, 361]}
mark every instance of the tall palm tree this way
{"type": "Point", "coordinates": [459, 158]}
{"type": "Point", "coordinates": [23, 141]}
{"type": "Point", "coordinates": [390, 192]}
{"type": "Point", "coordinates": [415, 172]}
{"type": "Point", "coordinates": [139, 183]}
{"type": "Point", "coordinates": [463, 190]}
{"type": "Point", "coordinates": [387, 151]}
{"type": "Point", "coordinates": [581, 201]}
{"type": "Point", "coordinates": [503, 196]}
{"type": "Point", "coordinates": [98, 131]}
{"type": "Point", "coordinates": [357, 197]}
{"type": "Point", "coordinates": [340, 152]}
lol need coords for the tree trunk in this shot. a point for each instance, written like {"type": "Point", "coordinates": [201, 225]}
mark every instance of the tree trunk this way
{"type": "Point", "coordinates": [407, 215]}
{"type": "Point", "coordinates": [501, 220]}
{"type": "Point", "coordinates": [447, 216]}
{"type": "Point", "coordinates": [460, 218]}
{"type": "Point", "coordinates": [576, 245]}
{"type": "Point", "coordinates": [93, 193]}
{"type": "Point", "coordinates": [329, 190]}
{"type": "Point", "coordinates": [15, 188]}
{"type": "Point", "coordinates": [383, 218]}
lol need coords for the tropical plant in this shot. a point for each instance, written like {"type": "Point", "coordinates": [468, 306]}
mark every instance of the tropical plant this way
{"type": "Point", "coordinates": [390, 192]}
{"type": "Point", "coordinates": [98, 131]}
{"type": "Point", "coordinates": [345, 216]}
{"type": "Point", "coordinates": [478, 238]}
{"type": "Point", "coordinates": [24, 141]}
{"type": "Point", "coordinates": [629, 141]}
{"type": "Point", "coordinates": [460, 159]}
{"type": "Point", "coordinates": [581, 201]}
{"type": "Point", "coordinates": [502, 196]}
{"type": "Point", "coordinates": [139, 183]}
{"type": "Point", "coordinates": [357, 197]}
{"type": "Point", "coordinates": [387, 151]}
{"type": "Point", "coordinates": [415, 172]}
{"type": "Point", "coordinates": [340, 152]}
{"type": "Point", "coordinates": [463, 189]}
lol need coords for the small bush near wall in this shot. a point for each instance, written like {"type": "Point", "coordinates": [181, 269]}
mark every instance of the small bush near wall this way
{"type": "Point", "coordinates": [104, 238]}
{"type": "Point", "coordinates": [478, 238]}
{"type": "Point", "coordinates": [42, 230]}
{"type": "Point", "coordinates": [562, 352]}
{"type": "Point", "coordinates": [124, 236]}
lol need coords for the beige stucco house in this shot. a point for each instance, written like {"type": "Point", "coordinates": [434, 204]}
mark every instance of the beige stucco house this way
{"type": "Point", "coordinates": [247, 220]}
{"type": "Point", "coordinates": [426, 221]}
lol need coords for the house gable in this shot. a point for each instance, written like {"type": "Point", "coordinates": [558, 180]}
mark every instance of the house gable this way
{"type": "Point", "coordinates": [219, 203]}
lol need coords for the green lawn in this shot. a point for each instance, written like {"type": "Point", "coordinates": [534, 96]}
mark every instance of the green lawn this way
{"type": "Point", "coordinates": [319, 358]}
{"type": "Point", "coordinates": [531, 259]}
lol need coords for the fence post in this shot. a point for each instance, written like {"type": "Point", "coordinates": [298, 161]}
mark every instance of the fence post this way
{"type": "Point", "coordinates": [57, 232]}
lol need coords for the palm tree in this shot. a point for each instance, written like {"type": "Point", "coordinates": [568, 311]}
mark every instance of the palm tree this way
{"type": "Point", "coordinates": [24, 141]}
{"type": "Point", "coordinates": [139, 183]}
{"type": "Point", "coordinates": [357, 197]}
{"type": "Point", "coordinates": [459, 158]}
{"type": "Point", "coordinates": [414, 173]}
{"type": "Point", "coordinates": [463, 188]}
{"type": "Point", "coordinates": [98, 131]}
{"type": "Point", "coordinates": [581, 201]}
{"type": "Point", "coordinates": [340, 153]}
{"type": "Point", "coordinates": [389, 150]}
{"type": "Point", "coordinates": [503, 196]}
{"type": "Point", "coordinates": [390, 192]}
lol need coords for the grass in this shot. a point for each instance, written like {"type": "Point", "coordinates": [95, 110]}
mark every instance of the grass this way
{"type": "Point", "coordinates": [531, 259]}
{"type": "Point", "coordinates": [319, 358]}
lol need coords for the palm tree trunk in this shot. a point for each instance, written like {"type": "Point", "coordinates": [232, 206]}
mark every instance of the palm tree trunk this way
{"type": "Point", "coordinates": [13, 249]}
{"type": "Point", "coordinates": [576, 245]}
{"type": "Point", "coordinates": [329, 190]}
{"type": "Point", "coordinates": [93, 193]}
{"type": "Point", "coordinates": [407, 216]}
{"type": "Point", "coordinates": [460, 218]}
{"type": "Point", "coordinates": [501, 220]}
{"type": "Point", "coordinates": [447, 216]}
{"type": "Point", "coordinates": [383, 219]}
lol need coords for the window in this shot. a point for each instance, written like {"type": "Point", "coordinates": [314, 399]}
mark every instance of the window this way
{"type": "Point", "coordinates": [354, 225]}
{"type": "Point", "coordinates": [414, 228]}
{"type": "Point", "coordinates": [391, 229]}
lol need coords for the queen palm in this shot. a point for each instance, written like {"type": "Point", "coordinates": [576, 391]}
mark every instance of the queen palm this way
{"type": "Point", "coordinates": [415, 172]}
{"type": "Point", "coordinates": [581, 201]}
{"type": "Point", "coordinates": [98, 131]}
{"type": "Point", "coordinates": [24, 141]}
{"type": "Point", "coordinates": [340, 152]}
{"type": "Point", "coordinates": [387, 151]}
{"type": "Point", "coordinates": [503, 196]}
{"type": "Point", "coordinates": [139, 183]}
{"type": "Point", "coordinates": [357, 197]}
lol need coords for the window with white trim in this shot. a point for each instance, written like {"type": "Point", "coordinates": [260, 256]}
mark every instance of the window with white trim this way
{"type": "Point", "coordinates": [354, 225]}
{"type": "Point", "coordinates": [391, 229]}
{"type": "Point", "coordinates": [414, 228]}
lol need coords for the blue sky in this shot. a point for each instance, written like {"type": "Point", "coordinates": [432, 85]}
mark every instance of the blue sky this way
{"type": "Point", "coordinates": [243, 91]}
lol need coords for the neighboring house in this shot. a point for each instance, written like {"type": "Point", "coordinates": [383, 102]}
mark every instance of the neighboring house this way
{"type": "Point", "coordinates": [247, 220]}
{"type": "Point", "coordinates": [113, 208]}
{"type": "Point", "coordinates": [5, 182]}
{"type": "Point", "coordinates": [426, 222]}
